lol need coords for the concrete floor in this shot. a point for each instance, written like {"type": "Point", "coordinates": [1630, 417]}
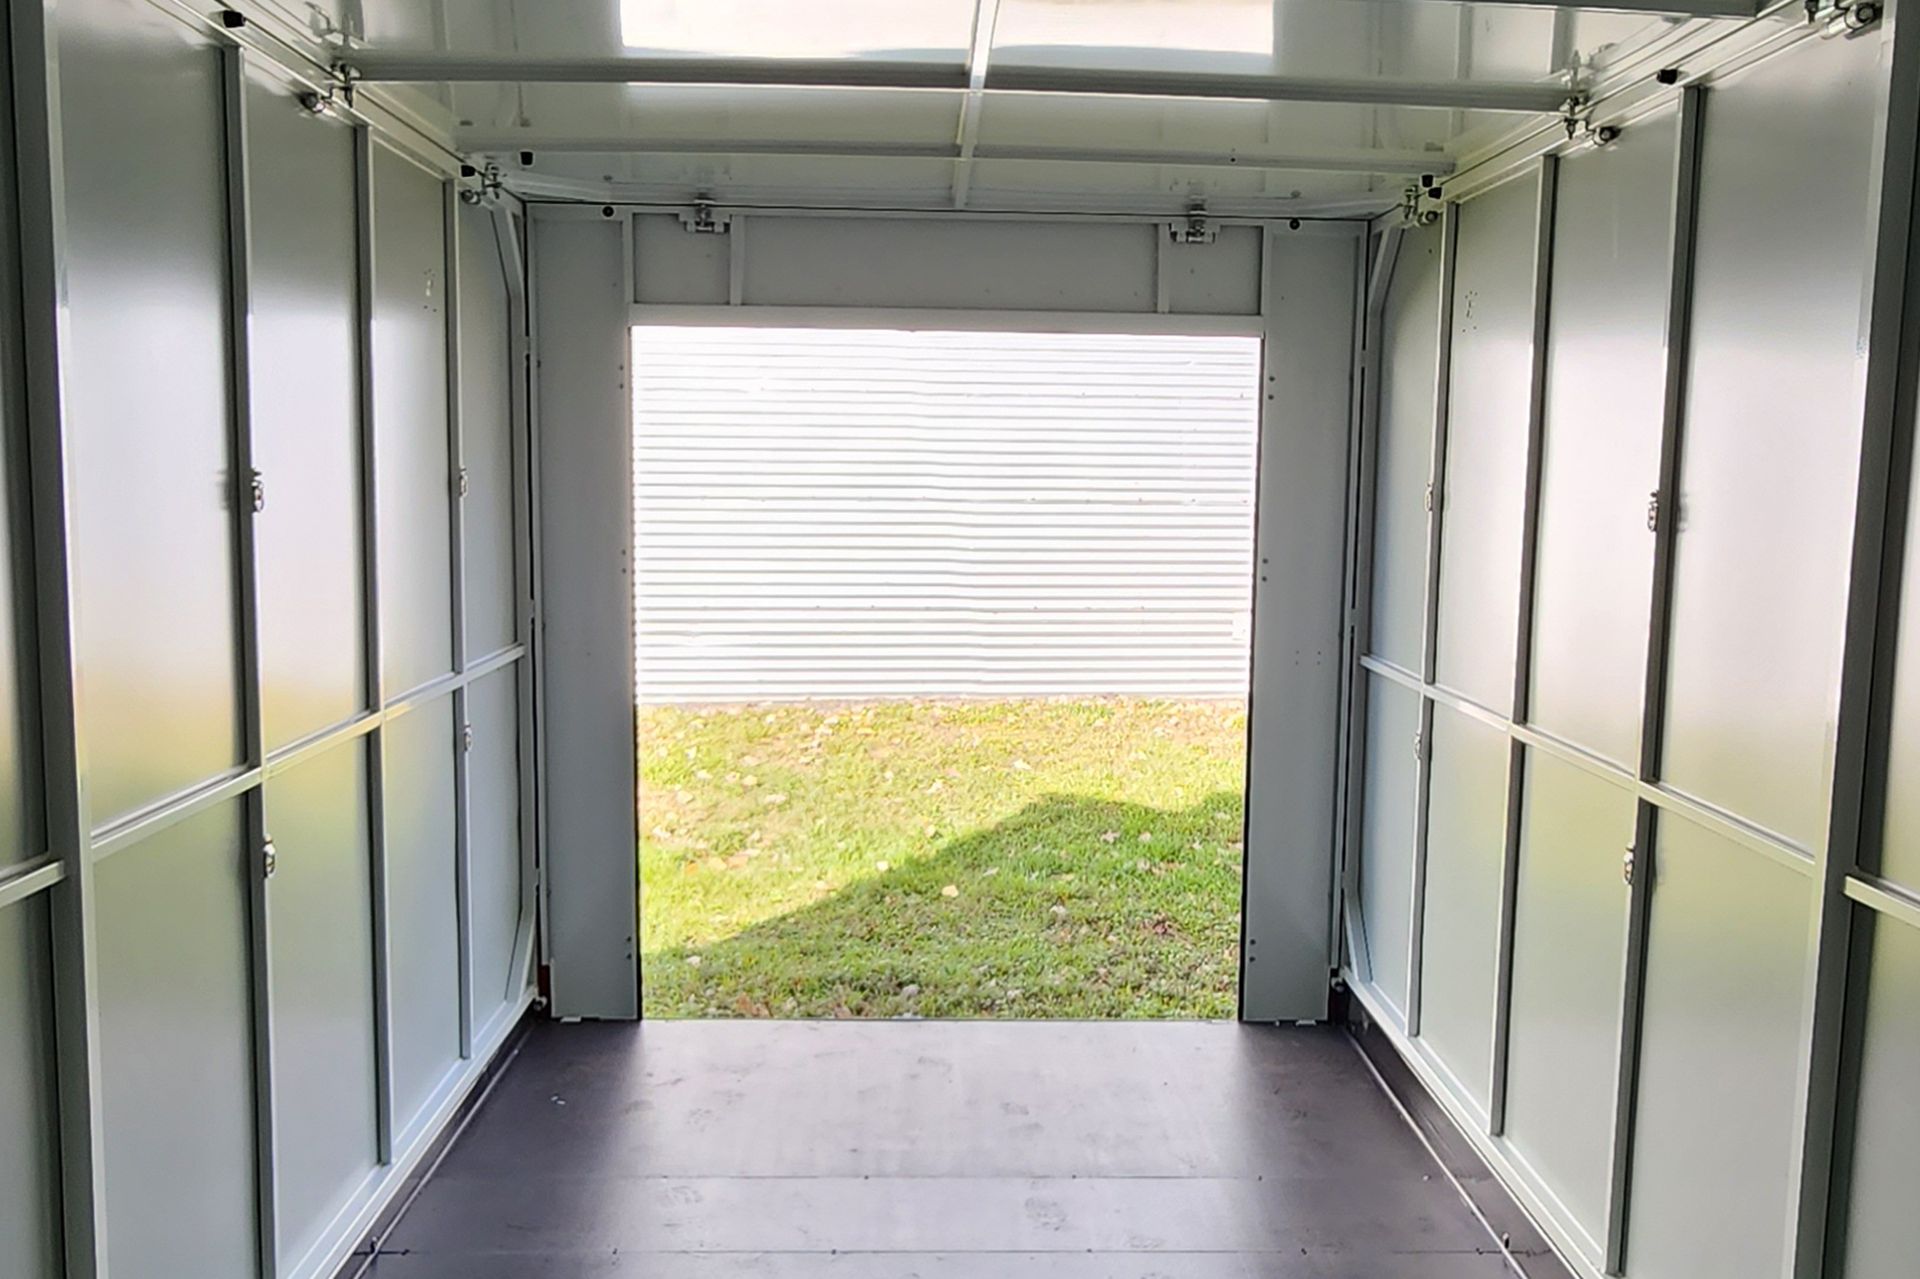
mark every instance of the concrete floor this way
{"type": "Point", "coordinates": [949, 1150]}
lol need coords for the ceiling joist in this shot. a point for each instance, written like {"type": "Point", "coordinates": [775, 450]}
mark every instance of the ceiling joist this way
{"type": "Point", "coordinates": [1402, 163]}
{"type": "Point", "coordinates": [376, 67]}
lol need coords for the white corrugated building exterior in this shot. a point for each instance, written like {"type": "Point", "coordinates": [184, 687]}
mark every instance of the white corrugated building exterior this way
{"type": "Point", "coordinates": [828, 513]}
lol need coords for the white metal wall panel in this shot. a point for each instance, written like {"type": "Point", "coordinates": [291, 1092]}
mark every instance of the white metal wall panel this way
{"type": "Point", "coordinates": [493, 826]}
{"type": "Point", "coordinates": [1311, 289]}
{"type": "Point", "coordinates": [176, 1054]}
{"type": "Point", "coordinates": [589, 794]}
{"type": "Point", "coordinates": [1071, 266]}
{"type": "Point", "coordinates": [1466, 816]}
{"type": "Point", "coordinates": [486, 426]}
{"type": "Point", "coordinates": [1882, 1230]}
{"type": "Point", "coordinates": [1486, 460]}
{"type": "Point", "coordinates": [1899, 842]}
{"type": "Point", "coordinates": [147, 403]}
{"type": "Point", "coordinates": [414, 482]}
{"type": "Point", "coordinates": [306, 416]}
{"type": "Point", "coordinates": [854, 514]}
{"type": "Point", "coordinates": [22, 792]}
{"type": "Point", "coordinates": [325, 1136]}
{"type": "Point", "coordinates": [1569, 949]}
{"type": "Point", "coordinates": [1386, 852]}
{"type": "Point", "coordinates": [1714, 1122]}
{"type": "Point", "coordinates": [1601, 439]}
{"type": "Point", "coordinates": [1772, 427]}
{"type": "Point", "coordinates": [29, 1150]}
{"type": "Point", "coordinates": [1410, 334]}
{"type": "Point", "coordinates": [423, 929]}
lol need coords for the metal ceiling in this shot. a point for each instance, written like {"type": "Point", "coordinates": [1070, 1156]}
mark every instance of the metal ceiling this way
{"type": "Point", "coordinates": [1268, 106]}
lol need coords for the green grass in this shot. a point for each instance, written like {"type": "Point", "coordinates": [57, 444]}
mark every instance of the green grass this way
{"type": "Point", "coordinates": [1040, 858]}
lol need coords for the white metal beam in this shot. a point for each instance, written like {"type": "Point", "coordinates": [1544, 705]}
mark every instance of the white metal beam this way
{"type": "Point", "coordinates": [374, 66]}
{"type": "Point", "coordinates": [986, 14]}
{"type": "Point", "coordinates": [1347, 160]}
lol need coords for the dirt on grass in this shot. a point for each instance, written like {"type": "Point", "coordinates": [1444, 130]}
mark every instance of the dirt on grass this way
{"type": "Point", "coordinates": [1033, 858]}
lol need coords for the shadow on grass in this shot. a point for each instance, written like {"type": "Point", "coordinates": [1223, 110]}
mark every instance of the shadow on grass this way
{"type": "Point", "coordinates": [1075, 906]}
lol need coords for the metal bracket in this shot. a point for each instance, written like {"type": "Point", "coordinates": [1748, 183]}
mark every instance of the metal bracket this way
{"type": "Point", "coordinates": [702, 220]}
{"type": "Point", "coordinates": [1431, 498]}
{"type": "Point", "coordinates": [488, 176]}
{"type": "Point", "coordinates": [1653, 511]}
{"type": "Point", "coordinates": [256, 491]}
{"type": "Point", "coordinates": [1195, 228]}
{"type": "Point", "coordinates": [1627, 861]}
{"type": "Point", "coordinates": [269, 858]}
{"type": "Point", "coordinates": [1420, 202]}
{"type": "Point", "coordinates": [462, 485]}
{"type": "Point", "coordinates": [341, 79]}
{"type": "Point", "coordinates": [466, 737]}
{"type": "Point", "coordinates": [1844, 18]}
{"type": "Point", "coordinates": [1419, 745]}
{"type": "Point", "coordinates": [1576, 114]}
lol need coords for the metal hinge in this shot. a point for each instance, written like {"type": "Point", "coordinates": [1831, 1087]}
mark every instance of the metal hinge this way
{"type": "Point", "coordinates": [466, 737]}
{"type": "Point", "coordinates": [1432, 497]}
{"type": "Point", "coordinates": [702, 220]}
{"type": "Point", "coordinates": [257, 491]}
{"type": "Point", "coordinates": [1626, 864]}
{"type": "Point", "coordinates": [460, 482]}
{"type": "Point", "coordinates": [1194, 228]}
{"type": "Point", "coordinates": [1653, 511]}
{"type": "Point", "coordinates": [1419, 746]}
{"type": "Point", "coordinates": [269, 858]}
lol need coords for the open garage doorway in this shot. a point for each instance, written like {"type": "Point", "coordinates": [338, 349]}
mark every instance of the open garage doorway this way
{"type": "Point", "coordinates": [942, 647]}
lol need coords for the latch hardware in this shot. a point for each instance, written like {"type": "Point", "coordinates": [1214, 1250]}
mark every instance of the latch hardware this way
{"type": "Point", "coordinates": [257, 491]}
{"type": "Point", "coordinates": [1653, 511]}
{"type": "Point", "coordinates": [1627, 860]}
{"type": "Point", "coordinates": [460, 482]}
{"type": "Point", "coordinates": [466, 737]}
{"type": "Point", "coordinates": [269, 858]}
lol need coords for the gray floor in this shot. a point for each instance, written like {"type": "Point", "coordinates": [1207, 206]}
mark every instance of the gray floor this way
{"type": "Point", "coordinates": [950, 1150]}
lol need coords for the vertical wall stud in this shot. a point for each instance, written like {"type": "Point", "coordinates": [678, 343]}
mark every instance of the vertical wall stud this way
{"type": "Point", "coordinates": [513, 270]}
{"type": "Point", "coordinates": [364, 195]}
{"type": "Point", "coordinates": [457, 595]}
{"type": "Point", "coordinates": [245, 506]}
{"type": "Point", "coordinates": [1430, 630]}
{"type": "Point", "coordinates": [1685, 224]}
{"type": "Point", "coordinates": [1359, 628]}
{"type": "Point", "coordinates": [1856, 816]}
{"type": "Point", "coordinates": [736, 259]}
{"type": "Point", "coordinates": [1548, 178]}
{"type": "Point", "coordinates": [33, 48]}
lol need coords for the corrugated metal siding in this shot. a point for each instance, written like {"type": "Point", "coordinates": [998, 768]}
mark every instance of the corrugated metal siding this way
{"type": "Point", "coordinates": [867, 513]}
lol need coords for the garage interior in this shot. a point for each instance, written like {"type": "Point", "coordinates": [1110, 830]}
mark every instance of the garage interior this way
{"type": "Point", "coordinates": [1582, 852]}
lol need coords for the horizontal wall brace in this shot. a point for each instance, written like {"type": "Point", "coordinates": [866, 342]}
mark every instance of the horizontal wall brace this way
{"type": "Point", "coordinates": [1351, 160]}
{"type": "Point", "coordinates": [373, 67]}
